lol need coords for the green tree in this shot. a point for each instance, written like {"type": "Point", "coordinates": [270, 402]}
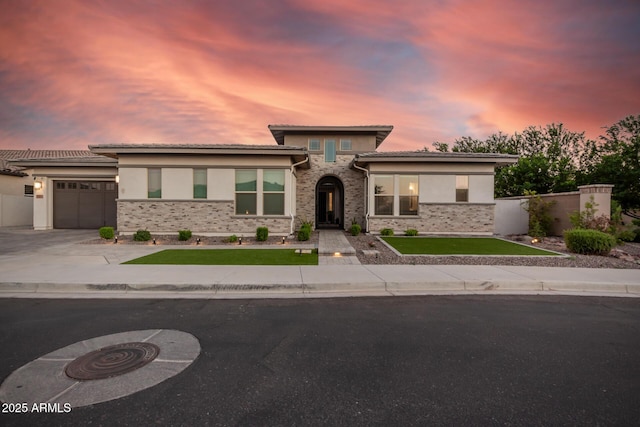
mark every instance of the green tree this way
{"type": "Point", "coordinates": [617, 162]}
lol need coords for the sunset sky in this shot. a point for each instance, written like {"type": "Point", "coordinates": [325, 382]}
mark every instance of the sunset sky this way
{"type": "Point", "coordinates": [74, 73]}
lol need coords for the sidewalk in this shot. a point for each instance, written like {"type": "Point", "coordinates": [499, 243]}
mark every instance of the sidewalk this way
{"type": "Point", "coordinates": [89, 271]}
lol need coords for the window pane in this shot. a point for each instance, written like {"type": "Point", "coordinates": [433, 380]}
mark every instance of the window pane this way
{"type": "Point", "coordinates": [246, 180]}
{"type": "Point", "coordinates": [408, 185]}
{"type": "Point", "coordinates": [274, 204]}
{"type": "Point", "coordinates": [245, 203]}
{"type": "Point", "coordinates": [345, 145]}
{"type": "Point", "coordinates": [154, 181]}
{"type": "Point", "coordinates": [28, 190]}
{"type": "Point", "coordinates": [384, 205]}
{"type": "Point", "coordinates": [462, 188]}
{"type": "Point", "coordinates": [273, 180]}
{"type": "Point", "coordinates": [408, 205]}
{"type": "Point", "coordinates": [330, 150]}
{"type": "Point", "coordinates": [199, 183]}
{"type": "Point", "coordinates": [383, 184]}
{"type": "Point", "coordinates": [314, 144]}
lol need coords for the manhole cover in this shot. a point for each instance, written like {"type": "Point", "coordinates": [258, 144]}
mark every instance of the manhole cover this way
{"type": "Point", "coordinates": [112, 361]}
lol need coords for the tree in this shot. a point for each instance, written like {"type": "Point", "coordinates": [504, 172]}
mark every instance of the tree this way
{"type": "Point", "coordinates": [617, 162]}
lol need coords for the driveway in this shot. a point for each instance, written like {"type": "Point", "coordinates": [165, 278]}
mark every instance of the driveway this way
{"type": "Point", "coordinates": [14, 240]}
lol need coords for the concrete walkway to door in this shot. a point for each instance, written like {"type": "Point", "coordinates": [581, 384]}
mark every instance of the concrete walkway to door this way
{"type": "Point", "coordinates": [334, 248]}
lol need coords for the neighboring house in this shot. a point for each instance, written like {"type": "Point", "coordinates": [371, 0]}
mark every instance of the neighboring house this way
{"type": "Point", "coordinates": [330, 175]}
{"type": "Point", "coordinates": [71, 188]}
{"type": "Point", "coordinates": [16, 191]}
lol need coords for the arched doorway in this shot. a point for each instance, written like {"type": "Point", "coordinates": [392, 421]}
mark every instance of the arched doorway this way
{"type": "Point", "coordinates": [329, 203]}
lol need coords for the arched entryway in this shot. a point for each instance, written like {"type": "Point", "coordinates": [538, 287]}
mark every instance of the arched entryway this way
{"type": "Point", "coordinates": [329, 203]}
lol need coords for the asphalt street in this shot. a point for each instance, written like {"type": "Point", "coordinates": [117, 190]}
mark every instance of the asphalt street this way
{"type": "Point", "coordinates": [436, 360]}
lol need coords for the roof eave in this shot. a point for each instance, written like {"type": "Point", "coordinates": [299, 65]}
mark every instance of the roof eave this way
{"type": "Point", "coordinates": [279, 131]}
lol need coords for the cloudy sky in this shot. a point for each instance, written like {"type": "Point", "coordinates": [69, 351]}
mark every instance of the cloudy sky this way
{"type": "Point", "coordinates": [74, 73]}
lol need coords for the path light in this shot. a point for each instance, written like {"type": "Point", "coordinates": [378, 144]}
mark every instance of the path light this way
{"type": "Point", "coordinates": [283, 238]}
{"type": "Point", "coordinates": [154, 240]}
{"type": "Point", "coordinates": [115, 240]}
{"type": "Point", "coordinates": [239, 240]}
{"type": "Point", "coordinates": [534, 241]}
{"type": "Point", "coordinates": [198, 241]}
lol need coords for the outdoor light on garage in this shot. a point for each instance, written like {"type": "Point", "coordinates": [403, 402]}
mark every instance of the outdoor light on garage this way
{"type": "Point", "coordinates": [37, 185]}
{"type": "Point", "coordinates": [117, 179]}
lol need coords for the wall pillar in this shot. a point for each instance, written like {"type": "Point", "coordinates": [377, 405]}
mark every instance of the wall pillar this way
{"type": "Point", "coordinates": [601, 196]}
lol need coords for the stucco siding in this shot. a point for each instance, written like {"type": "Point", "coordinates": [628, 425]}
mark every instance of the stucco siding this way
{"type": "Point", "coordinates": [221, 184]}
{"type": "Point", "coordinates": [133, 183]}
{"type": "Point", "coordinates": [437, 188]}
{"type": "Point", "coordinates": [480, 188]}
{"type": "Point", "coordinates": [177, 183]}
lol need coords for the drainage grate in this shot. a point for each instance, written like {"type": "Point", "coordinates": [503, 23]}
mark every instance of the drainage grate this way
{"type": "Point", "coordinates": [112, 361]}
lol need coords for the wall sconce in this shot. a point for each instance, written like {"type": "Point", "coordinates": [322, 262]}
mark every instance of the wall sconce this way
{"type": "Point", "coordinates": [37, 185]}
{"type": "Point", "coordinates": [117, 179]}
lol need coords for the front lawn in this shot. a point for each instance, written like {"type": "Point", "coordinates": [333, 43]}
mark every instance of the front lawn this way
{"type": "Point", "coordinates": [460, 246]}
{"type": "Point", "coordinates": [228, 257]}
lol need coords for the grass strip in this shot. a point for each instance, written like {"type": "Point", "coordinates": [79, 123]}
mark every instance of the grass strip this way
{"type": "Point", "coordinates": [461, 246]}
{"type": "Point", "coordinates": [228, 257]}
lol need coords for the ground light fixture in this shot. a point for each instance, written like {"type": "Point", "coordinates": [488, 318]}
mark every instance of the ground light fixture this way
{"type": "Point", "coordinates": [239, 240]}
{"type": "Point", "coordinates": [337, 254]}
{"type": "Point", "coordinates": [154, 240]}
{"type": "Point", "coordinates": [283, 239]}
{"type": "Point", "coordinates": [534, 241]}
{"type": "Point", "coordinates": [198, 241]}
{"type": "Point", "coordinates": [115, 240]}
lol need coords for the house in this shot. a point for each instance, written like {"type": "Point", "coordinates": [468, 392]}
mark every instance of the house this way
{"type": "Point", "coordinates": [16, 190]}
{"type": "Point", "coordinates": [329, 175]}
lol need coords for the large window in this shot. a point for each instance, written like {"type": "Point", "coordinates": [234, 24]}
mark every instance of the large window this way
{"type": "Point", "coordinates": [383, 185]}
{"type": "Point", "coordinates": [408, 197]}
{"type": "Point", "coordinates": [154, 183]}
{"type": "Point", "coordinates": [273, 192]}
{"type": "Point", "coordinates": [462, 188]}
{"type": "Point", "coordinates": [246, 192]}
{"type": "Point", "coordinates": [330, 150]}
{"type": "Point", "coordinates": [395, 194]}
{"type": "Point", "coordinates": [199, 183]}
{"type": "Point", "coordinates": [264, 199]}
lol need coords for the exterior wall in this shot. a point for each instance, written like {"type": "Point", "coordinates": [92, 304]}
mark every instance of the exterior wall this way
{"type": "Point", "coordinates": [177, 183]}
{"type": "Point", "coordinates": [201, 217]}
{"type": "Point", "coordinates": [359, 143]}
{"type": "Point", "coordinates": [511, 217]}
{"type": "Point", "coordinates": [16, 209]}
{"type": "Point", "coordinates": [352, 180]}
{"type": "Point", "coordinates": [455, 218]}
{"type": "Point", "coordinates": [14, 185]}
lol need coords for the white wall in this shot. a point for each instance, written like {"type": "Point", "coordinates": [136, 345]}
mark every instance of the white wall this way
{"type": "Point", "coordinates": [133, 183]}
{"type": "Point", "coordinates": [480, 188]}
{"type": "Point", "coordinates": [15, 210]}
{"type": "Point", "coordinates": [221, 184]}
{"type": "Point", "coordinates": [510, 217]}
{"type": "Point", "coordinates": [437, 189]}
{"type": "Point", "coordinates": [177, 183]}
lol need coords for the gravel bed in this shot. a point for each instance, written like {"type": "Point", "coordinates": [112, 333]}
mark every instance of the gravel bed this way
{"type": "Point", "coordinates": [204, 240]}
{"type": "Point", "coordinates": [387, 256]}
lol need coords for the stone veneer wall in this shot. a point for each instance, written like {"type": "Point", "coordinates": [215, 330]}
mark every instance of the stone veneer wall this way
{"type": "Point", "coordinates": [214, 217]}
{"type": "Point", "coordinates": [445, 218]}
{"type": "Point", "coordinates": [352, 180]}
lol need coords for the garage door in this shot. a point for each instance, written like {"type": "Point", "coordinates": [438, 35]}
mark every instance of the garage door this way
{"type": "Point", "coordinates": [84, 204]}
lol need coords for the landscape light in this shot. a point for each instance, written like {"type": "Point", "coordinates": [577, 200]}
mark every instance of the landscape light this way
{"type": "Point", "coordinates": [283, 238]}
{"type": "Point", "coordinates": [154, 240]}
{"type": "Point", "coordinates": [337, 254]}
{"type": "Point", "coordinates": [198, 241]}
{"type": "Point", "coordinates": [115, 239]}
{"type": "Point", "coordinates": [239, 240]}
{"type": "Point", "coordinates": [534, 241]}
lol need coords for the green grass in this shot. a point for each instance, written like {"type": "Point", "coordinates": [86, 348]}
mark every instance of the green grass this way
{"type": "Point", "coordinates": [460, 246]}
{"type": "Point", "coordinates": [228, 257]}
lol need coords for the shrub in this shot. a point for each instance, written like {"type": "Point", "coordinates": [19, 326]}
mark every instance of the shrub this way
{"type": "Point", "coordinates": [307, 224]}
{"type": "Point", "coordinates": [304, 234]}
{"type": "Point", "coordinates": [540, 220]}
{"type": "Point", "coordinates": [411, 232]}
{"type": "Point", "coordinates": [262, 234]}
{"type": "Point", "coordinates": [106, 232]}
{"type": "Point", "coordinates": [355, 229]}
{"type": "Point", "coordinates": [587, 219]}
{"type": "Point", "coordinates": [626, 236]}
{"type": "Point", "coordinates": [386, 232]}
{"type": "Point", "coordinates": [589, 242]}
{"type": "Point", "coordinates": [184, 235]}
{"type": "Point", "coordinates": [232, 239]}
{"type": "Point", "coordinates": [142, 236]}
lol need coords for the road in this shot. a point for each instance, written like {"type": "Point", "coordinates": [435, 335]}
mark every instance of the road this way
{"type": "Point", "coordinates": [437, 360]}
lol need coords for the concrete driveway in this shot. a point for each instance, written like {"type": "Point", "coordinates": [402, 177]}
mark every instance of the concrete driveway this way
{"type": "Point", "coordinates": [16, 240]}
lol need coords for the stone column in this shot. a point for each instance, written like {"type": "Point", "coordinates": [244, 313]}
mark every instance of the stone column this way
{"type": "Point", "coordinates": [601, 196]}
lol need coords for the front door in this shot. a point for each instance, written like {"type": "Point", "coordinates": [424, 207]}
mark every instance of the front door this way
{"type": "Point", "coordinates": [329, 203]}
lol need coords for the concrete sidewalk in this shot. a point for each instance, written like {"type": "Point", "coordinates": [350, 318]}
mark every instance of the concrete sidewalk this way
{"type": "Point", "coordinates": [74, 270]}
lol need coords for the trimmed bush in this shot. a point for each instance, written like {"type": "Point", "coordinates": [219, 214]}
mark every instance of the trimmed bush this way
{"type": "Point", "coordinates": [626, 236]}
{"type": "Point", "coordinates": [262, 234]}
{"type": "Point", "coordinates": [386, 232]}
{"type": "Point", "coordinates": [184, 235]}
{"type": "Point", "coordinates": [232, 239]}
{"type": "Point", "coordinates": [589, 242]}
{"type": "Point", "coordinates": [304, 234]}
{"type": "Point", "coordinates": [106, 232]}
{"type": "Point", "coordinates": [142, 236]}
{"type": "Point", "coordinates": [355, 229]}
{"type": "Point", "coordinates": [411, 232]}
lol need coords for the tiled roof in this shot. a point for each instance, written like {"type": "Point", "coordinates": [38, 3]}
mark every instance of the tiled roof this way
{"type": "Point", "coordinates": [194, 146]}
{"type": "Point", "coordinates": [6, 155]}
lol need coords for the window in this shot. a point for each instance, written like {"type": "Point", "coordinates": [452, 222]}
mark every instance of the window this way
{"type": "Point", "coordinates": [246, 191]}
{"type": "Point", "coordinates": [314, 145]}
{"type": "Point", "coordinates": [383, 194]}
{"type": "Point", "coordinates": [59, 185]}
{"type": "Point", "coordinates": [154, 183]}
{"type": "Point", "coordinates": [28, 190]}
{"type": "Point", "coordinates": [345, 145]}
{"type": "Point", "coordinates": [273, 192]}
{"type": "Point", "coordinates": [110, 186]}
{"type": "Point", "coordinates": [408, 194]}
{"type": "Point", "coordinates": [462, 188]}
{"type": "Point", "coordinates": [199, 183]}
{"type": "Point", "coordinates": [330, 150]}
